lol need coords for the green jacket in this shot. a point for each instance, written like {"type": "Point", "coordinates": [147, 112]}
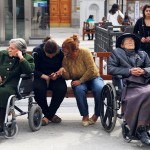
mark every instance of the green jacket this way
{"type": "Point", "coordinates": [10, 70]}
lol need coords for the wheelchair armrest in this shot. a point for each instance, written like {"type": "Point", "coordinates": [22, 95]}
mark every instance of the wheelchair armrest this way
{"type": "Point", "coordinates": [117, 77]}
{"type": "Point", "coordinates": [118, 83]}
{"type": "Point", "coordinates": [26, 75]}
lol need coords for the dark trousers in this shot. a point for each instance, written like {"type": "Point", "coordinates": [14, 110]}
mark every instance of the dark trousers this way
{"type": "Point", "coordinates": [2, 116]}
{"type": "Point", "coordinates": [59, 89]}
{"type": "Point", "coordinates": [90, 37]}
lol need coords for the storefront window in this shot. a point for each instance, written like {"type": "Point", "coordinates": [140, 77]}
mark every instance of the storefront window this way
{"type": "Point", "coordinates": [40, 21]}
{"type": "Point", "coordinates": [8, 20]}
{"type": "Point", "coordinates": [20, 19]}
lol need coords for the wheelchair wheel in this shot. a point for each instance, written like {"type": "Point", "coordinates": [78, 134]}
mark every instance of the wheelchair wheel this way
{"type": "Point", "coordinates": [108, 107]}
{"type": "Point", "coordinates": [11, 132]}
{"type": "Point", "coordinates": [126, 133]}
{"type": "Point", "coordinates": [35, 118]}
{"type": "Point", "coordinates": [11, 127]}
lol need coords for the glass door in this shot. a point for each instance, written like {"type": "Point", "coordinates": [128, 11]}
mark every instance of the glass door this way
{"type": "Point", "coordinates": [40, 21]}
{"type": "Point", "coordinates": [14, 19]}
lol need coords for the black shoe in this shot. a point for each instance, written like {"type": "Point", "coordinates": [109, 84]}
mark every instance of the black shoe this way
{"type": "Point", "coordinates": [144, 138]}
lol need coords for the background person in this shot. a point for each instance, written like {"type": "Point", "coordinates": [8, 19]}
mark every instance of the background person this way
{"type": "Point", "coordinates": [91, 26]}
{"type": "Point", "coordinates": [127, 20]}
{"type": "Point", "coordinates": [38, 15]}
{"type": "Point", "coordinates": [113, 15]}
{"type": "Point", "coordinates": [79, 66]}
{"type": "Point", "coordinates": [48, 61]}
{"type": "Point", "coordinates": [134, 66]}
{"type": "Point", "coordinates": [142, 29]}
{"type": "Point", "coordinates": [13, 63]}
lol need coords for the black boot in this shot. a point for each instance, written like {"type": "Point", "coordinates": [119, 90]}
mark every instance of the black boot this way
{"type": "Point", "coordinates": [88, 36]}
{"type": "Point", "coordinates": [2, 118]}
{"type": "Point", "coordinates": [92, 36]}
{"type": "Point", "coordinates": [143, 135]}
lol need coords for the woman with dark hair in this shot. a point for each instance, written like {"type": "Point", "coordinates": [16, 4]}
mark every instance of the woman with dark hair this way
{"type": "Point", "coordinates": [113, 14]}
{"type": "Point", "coordinates": [142, 29]}
{"type": "Point", "coordinates": [13, 63]}
{"type": "Point", "coordinates": [48, 60]}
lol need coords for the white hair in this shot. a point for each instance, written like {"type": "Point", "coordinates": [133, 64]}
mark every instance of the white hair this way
{"type": "Point", "coordinates": [20, 44]}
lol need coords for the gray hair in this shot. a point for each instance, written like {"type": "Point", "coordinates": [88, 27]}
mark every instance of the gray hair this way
{"type": "Point", "coordinates": [20, 44]}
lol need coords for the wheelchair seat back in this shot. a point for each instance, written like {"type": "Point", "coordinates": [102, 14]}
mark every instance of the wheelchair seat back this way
{"type": "Point", "coordinates": [25, 86]}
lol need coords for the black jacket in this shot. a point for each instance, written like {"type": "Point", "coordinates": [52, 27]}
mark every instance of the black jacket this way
{"type": "Point", "coordinates": [44, 64]}
{"type": "Point", "coordinates": [141, 30]}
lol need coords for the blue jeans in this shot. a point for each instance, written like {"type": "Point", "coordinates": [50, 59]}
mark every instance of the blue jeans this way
{"type": "Point", "coordinates": [80, 91]}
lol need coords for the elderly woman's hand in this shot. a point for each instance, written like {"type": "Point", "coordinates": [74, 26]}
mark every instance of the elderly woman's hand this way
{"type": "Point", "coordinates": [137, 71]}
{"type": "Point", "coordinates": [19, 54]}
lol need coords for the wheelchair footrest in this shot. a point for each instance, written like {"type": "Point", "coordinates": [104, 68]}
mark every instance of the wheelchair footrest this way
{"type": "Point", "coordinates": [2, 133]}
{"type": "Point", "coordinates": [120, 116]}
{"type": "Point", "coordinates": [21, 113]}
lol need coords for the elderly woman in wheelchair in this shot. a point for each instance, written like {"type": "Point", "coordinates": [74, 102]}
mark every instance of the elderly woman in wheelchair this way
{"type": "Point", "coordinates": [13, 62]}
{"type": "Point", "coordinates": [133, 66]}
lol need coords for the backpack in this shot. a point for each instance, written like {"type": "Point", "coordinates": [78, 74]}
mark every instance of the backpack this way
{"type": "Point", "coordinates": [119, 18]}
{"type": "Point", "coordinates": [91, 25]}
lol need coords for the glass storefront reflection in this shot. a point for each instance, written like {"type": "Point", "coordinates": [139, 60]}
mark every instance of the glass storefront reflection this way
{"type": "Point", "coordinates": [8, 20]}
{"type": "Point", "coordinates": [40, 24]}
{"type": "Point", "coordinates": [26, 22]}
{"type": "Point", "coordinates": [20, 19]}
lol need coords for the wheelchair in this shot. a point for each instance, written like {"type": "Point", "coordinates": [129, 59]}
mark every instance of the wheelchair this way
{"type": "Point", "coordinates": [110, 105]}
{"type": "Point", "coordinates": [24, 91]}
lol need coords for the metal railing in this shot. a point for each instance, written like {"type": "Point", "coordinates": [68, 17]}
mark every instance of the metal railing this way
{"type": "Point", "coordinates": [105, 38]}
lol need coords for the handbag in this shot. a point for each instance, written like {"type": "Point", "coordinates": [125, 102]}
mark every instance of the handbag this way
{"type": "Point", "coordinates": [119, 18]}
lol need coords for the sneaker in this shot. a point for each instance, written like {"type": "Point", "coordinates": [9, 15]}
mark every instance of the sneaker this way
{"type": "Point", "coordinates": [56, 119]}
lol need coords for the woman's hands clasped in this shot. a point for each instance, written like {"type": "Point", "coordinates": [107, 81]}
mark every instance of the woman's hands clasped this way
{"type": "Point", "coordinates": [137, 71]}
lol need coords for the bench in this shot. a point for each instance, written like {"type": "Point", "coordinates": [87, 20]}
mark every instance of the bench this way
{"type": "Point", "coordinates": [90, 31]}
{"type": "Point", "coordinates": [100, 59]}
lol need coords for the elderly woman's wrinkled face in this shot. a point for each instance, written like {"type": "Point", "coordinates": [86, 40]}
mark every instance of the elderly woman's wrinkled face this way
{"type": "Point", "coordinates": [128, 43]}
{"type": "Point", "coordinates": [12, 50]}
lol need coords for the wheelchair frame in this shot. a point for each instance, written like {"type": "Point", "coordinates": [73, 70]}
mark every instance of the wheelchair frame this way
{"type": "Point", "coordinates": [110, 104]}
{"type": "Point", "coordinates": [24, 91]}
